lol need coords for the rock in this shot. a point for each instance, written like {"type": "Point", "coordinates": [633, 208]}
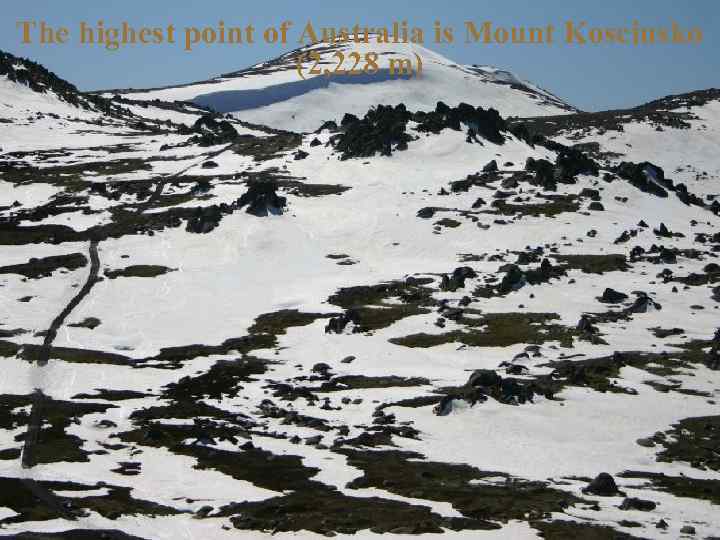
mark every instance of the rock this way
{"type": "Point", "coordinates": [211, 132]}
{"type": "Point", "coordinates": [513, 280]}
{"type": "Point", "coordinates": [203, 511]}
{"type": "Point", "coordinates": [300, 155]}
{"type": "Point", "coordinates": [348, 119]}
{"type": "Point", "coordinates": [480, 202]}
{"type": "Point", "coordinates": [484, 383]}
{"type": "Point", "coordinates": [315, 142]}
{"type": "Point", "coordinates": [384, 419]}
{"type": "Point", "coordinates": [453, 314]}
{"type": "Point", "coordinates": [491, 166]}
{"type": "Point", "coordinates": [321, 368]}
{"type": "Point", "coordinates": [611, 296]}
{"type": "Point", "coordinates": [571, 161]}
{"type": "Point", "coordinates": [445, 406]}
{"type": "Point", "coordinates": [603, 486]}
{"type": "Point", "coordinates": [209, 165]}
{"type": "Point", "coordinates": [585, 326]}
{"type": "Point", "coordinates": [624, 237]}
{"type": "Point", "coordinates": [632, 503]}
{"type": "Point", "coordinates": [646, 443]}
{"type": "Point", "coordinates": [592, 194]}
{"type": "Point", "coordinates": [516, 369]}
{"type": "Point", "coordinates": [527, 257]}
{"type": "Point", "coordinates": [336, 325]}
{"type": "Point", "coordinates": [329, 125]}
{"type": "Point", "coordinates": [426, 212]}
{"type": "Point", "coordinates": [381, 130]}
{"type": "Point", "coordinates": [261, 200]}
{"type": "Point", "coordinates": [644, 176]}
{"type": "Point", "coordinates": [204, 220]}
{"type": "Point", "coordinates": [201, 187]}
{"type": "Point", "coordinates": [596, 206]}
{"type": "Point", "coordinates": [484, 377]}
{"type": "Point", "coordinates": [662, 230]}
{"type": "Point", "coordinates": [509, 183]}
{"type": "Point", "coordinates": [667, 257]}
{"type": "Point", "coordinates": [457, 279]}
{"type": "Point", "coordinates": [89, 322]}
{"type": "Point", "coordinates": [347, 360]}
{"type": "Point", "coordinates": [712, 359]}
{"type": "Point", "coordinates": [463, 273]}
{"type": "Point", "coordinates": [662, 524]}
{"type": "Point", "coordinates": [643, 304]}
{"type": "Point", "coordinates": [687, 529]}
{"type": "Point", "coordinates": [312, 441]}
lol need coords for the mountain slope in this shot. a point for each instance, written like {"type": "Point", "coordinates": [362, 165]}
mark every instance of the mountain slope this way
{"type": "Point", "coordinates": [272, 93]}
{"type": "Point", "coordinates": [680, 133]}
{"type": "Point", "coordinates": [418, 323]}
{"type": "Point", "coordinates": [27, 88]}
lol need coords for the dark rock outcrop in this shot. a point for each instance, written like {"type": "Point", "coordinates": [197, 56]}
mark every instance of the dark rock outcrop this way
{"type": "Point", "coordinates": [611, 296]}
{"type": "Point", "coordinates": [603, 486]}
{"type": "Point", "coordinates": [262, 200]}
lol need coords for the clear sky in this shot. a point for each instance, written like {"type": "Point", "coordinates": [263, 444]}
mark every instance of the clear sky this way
{"type": "Point", "coordinates": [591, 77]}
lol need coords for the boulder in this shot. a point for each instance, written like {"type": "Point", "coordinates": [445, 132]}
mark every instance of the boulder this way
{"type": "Point", "coordinates": [445, 406]}
{"type": "Point", "coordinates": [513, 280]}
{"type": "Point", "coordinates": [603, 486]}
{"type": "Point", "coordinates": [491, 166]}
{"type": "Point", "coordinates": [484, 378]}
{"type": "Point", "coordinates": [611, 296]}
{"type": "Point", "coordinates": [204, 220]}
{"type": "Point", "coordinates": [643, 304]}
{"type": "Point", "coordinates": [642, 505]}
{"type": "Point", "coordinates": [426, 213]}
{"type": "Point", "coordinates": [262, 200]}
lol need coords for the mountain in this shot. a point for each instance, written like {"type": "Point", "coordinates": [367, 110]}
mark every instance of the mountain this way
{"type": "Point", "coordinates": [436, 322]}
{"type": "Point", "coordinates": [274, 94]}
{"type": "Point", "coordinates": [680, 133]}
{"type": "Point", "coordinates": [27, 88]}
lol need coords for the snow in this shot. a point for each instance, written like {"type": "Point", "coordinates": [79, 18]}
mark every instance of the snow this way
{"type": "Point", "coordinates": [684, 154]}
{"type": "Point", "coordinates": [19, 101]}
{"type": "Point", "coordinates": [303, 105]}
{"type": "Point", "coordinates": [223, 280]}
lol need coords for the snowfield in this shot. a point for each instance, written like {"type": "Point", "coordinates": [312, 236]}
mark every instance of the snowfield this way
{"type": "Point", "coordinates": [433, 325]}
{"type": "Point", "coordinates": [274, 94]}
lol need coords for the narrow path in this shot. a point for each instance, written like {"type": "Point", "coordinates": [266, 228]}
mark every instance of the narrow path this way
{"type": "Point", "coordinates": [164, 181]}
{"type": "Point", "coordinates": [39, 399]}
{"type": "Point", "coordinates": [60, 319]}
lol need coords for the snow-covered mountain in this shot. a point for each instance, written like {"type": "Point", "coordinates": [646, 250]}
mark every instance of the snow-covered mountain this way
{"type": "Point", "coordinates": [680, 133]}
{"type": "Point", "coordinates": [28, 89]}
{"type": "Point", "coordinates": [274, 94]}
{"type": "Point", "coordinates": [432, 322]}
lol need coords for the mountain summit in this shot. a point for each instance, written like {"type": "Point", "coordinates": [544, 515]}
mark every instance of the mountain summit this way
{"type": "Point", "coordinates": [274, 93]}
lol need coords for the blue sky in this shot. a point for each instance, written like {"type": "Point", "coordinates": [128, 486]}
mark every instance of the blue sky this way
{"type": "Point", "coordinates": [592, 77]}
